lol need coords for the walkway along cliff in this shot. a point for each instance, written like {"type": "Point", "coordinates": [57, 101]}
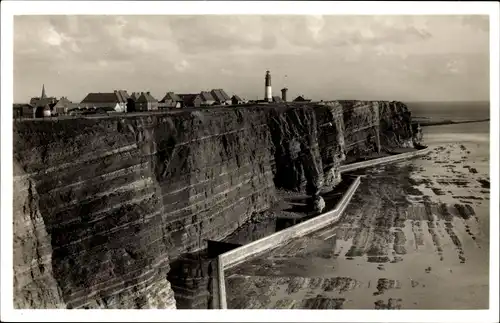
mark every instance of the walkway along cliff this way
{"type": "Point", "coordinates": [103, 206]}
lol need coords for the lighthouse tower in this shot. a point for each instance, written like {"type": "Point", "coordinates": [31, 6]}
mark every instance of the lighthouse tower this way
{"type": "Point", "coordinates": [269, 93]}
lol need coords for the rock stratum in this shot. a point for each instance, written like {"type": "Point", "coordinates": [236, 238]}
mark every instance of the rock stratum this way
{"type": "Point", "coordinates": [104, 205]}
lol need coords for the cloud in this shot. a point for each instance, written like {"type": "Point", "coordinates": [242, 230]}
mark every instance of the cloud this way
{"type": "Point", "coordinates": [323, 56]}
{"type": "Point", "coordinates": [477, 22]}
{"type": "Point", "coordinates": [182, 65]}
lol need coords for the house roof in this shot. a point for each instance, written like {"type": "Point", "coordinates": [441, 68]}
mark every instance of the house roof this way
{"type": "Point", "coordinates": [206, 96]}
{"type": "Point", "coordinates": [122, 96]}
{"type": "Point", "coordinates": [300, 98]}
{"type": "Point", "coordinates": [21, 105]}
{"type": "Point", "coordinates": [36, 101]}
{"type": "Point", "coordinates": [171, 96]}
{"type": "Point", "coordinates": [189, 99]}
{"type": "Point", "coordinates": [117, 96]}
{"type": "Point", "coordinates": [277, 99]}
{"type": "Point", "coordinates": [237, 98]}
{"type": "Point", "coordinates": [63, 102]}
{"type": "Point", "coordinates": [146, 97]}
{"type": "Point", "coordinates": [101, 98]}
{"type": "Point", "coordinates": [134, 96]}
{"type": "Point", "coordinates": [219, 95]}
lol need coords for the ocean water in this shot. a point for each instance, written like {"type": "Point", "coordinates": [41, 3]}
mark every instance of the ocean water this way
{"type": "Point", "coordinates": [450, 110]}
{"type": "Point", "coordinates": [477, 134]}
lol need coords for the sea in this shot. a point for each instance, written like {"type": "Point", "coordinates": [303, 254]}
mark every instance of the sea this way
{"type": "Point", "coordinates": [457, 111]}
{"type": "Point", "coordinates": [477, 132]}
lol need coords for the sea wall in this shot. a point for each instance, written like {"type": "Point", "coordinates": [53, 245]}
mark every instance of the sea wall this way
{"type": "Point", "coordinates": [112, 201]}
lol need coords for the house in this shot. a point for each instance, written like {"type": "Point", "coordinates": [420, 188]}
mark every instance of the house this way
{"type": "Point", "coordinates": [169, 104]}
{"type": "Point", "coordinates": [116, 101]}
{"type": "Point", "coordinates": [134, 96]}
{"type": "Point", "coordinates": [43, 111]}
{"type": "Point", "coordinates": [126, 100]}
{"type": "Point", "coordinates": [24, 110]}
{"type": "Point", "coordinates": [191, 100]}
{"type": "Point", "coordinates": [277, 99]}
{"type": "Point", "coordinates": [236, 100]}
{"type": "Point", "coordinates": [131, 101]}
{"type": "Point", "coordinates": [170, 101]}
{"type": "Point", "coordinates": [301, 98]}
{"type": "Point", "coordinates": [221, 97]}
{"type": "Point", "coordinates": [207, 98]}
{"type": "Point", "coordinates": [62, 106]}
{"type": "Point", "coordinates": [146, 102]}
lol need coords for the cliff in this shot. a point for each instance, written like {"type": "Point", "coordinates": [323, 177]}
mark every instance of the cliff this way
{"type": "Point", "coordinates": [104, 205]}
{"type": "Point", "coordinates": [395, 125]}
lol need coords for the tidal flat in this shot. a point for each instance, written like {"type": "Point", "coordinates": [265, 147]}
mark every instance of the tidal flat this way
{"type": "Point", "coordinates": [415, 236]}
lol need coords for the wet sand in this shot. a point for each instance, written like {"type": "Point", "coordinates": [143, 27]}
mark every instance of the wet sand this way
{"type": "Point", "coordinates": [415, 236]}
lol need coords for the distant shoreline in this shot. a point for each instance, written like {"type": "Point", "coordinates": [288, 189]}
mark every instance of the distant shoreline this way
{"type": "Point", "coordinates": [425, 123]}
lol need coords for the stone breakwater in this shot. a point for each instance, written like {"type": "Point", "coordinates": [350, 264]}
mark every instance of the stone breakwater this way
{"type": "Point", "coordinates": [102, 206]}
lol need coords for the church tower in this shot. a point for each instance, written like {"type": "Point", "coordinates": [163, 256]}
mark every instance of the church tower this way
{"type": "Point", "coordinates": [43, 96]}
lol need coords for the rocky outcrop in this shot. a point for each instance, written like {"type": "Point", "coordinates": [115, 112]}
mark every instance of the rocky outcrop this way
{"type": "Point", "coordinates": [192, 280]}
{"type": "Point", "coordinates": [113, 201]}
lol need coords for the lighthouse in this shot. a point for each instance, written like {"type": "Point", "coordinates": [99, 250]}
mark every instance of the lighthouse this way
{"type": "Point", "coordinates": [268, 93]}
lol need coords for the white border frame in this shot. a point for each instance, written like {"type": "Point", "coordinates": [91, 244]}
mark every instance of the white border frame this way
{"type": "Point", "coordinates": [10, 8]}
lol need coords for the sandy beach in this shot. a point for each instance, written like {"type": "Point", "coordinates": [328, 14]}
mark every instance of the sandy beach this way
{"type": "Point", "coordinates": [415, 236]}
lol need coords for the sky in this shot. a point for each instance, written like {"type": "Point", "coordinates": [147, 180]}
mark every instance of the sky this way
{"type": "Point", "coordinates": [407, 58]}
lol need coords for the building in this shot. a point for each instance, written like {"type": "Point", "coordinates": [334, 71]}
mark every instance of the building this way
{"type": "Point", "coordinates": [207, 99]}
{"type": "Point", "coordinates": [43, 111]}
{"type": "Point", "coordinates": [171, 96]}
{"type": "Point", "coordinates": [131, 101]}
{"type": "Point", "coordinates": [62, 106]}
{"type": "Point", "coordinates": [277, 99]}
{"type": "Point", "coordinates": [190, 100]}
{"type": "Point", "coordinates": [170, 101]}
{"type": "Point", "coordinates": [268, 94]}
{"type": "Point", "coordinates": [116, 101]}
{"type": "Point", "coordinates": [301, 98]}
{"type": "Point", "coordinates": [283, 94]}
{"type": "Point", "coordinates": [236, 100]}
{"type": "Point", "coordinates": [43, 100]}
{"type": "Point", "coordinates": [134, 96]}
{"type": "Point", "coordinates": [43, 105]}
{"type": "Point", "coordinates": [146, 102]}
{"type": "Point", "coordinates": [221, 97]}
{"type": "Point", "coordinates": [23, 110]}
{"type": "Point", "coordinates": [169, 104]}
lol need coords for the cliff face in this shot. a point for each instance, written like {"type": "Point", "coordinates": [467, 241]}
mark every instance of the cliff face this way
{"type": "Point", "coordinates": [103, 205]}
{"type": "Point", "coordinates": [214, 171]}
{"type": "Point", "coordinates": [361, 122]}
{"type": "Point", "coordinates": [101, 208]}
{"type": "Point", "coordinates": [297, 154]}
{"type": "Point", "coordinates": [34, 283]}
{"type": "Point", "coordinates": [395, 125]}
